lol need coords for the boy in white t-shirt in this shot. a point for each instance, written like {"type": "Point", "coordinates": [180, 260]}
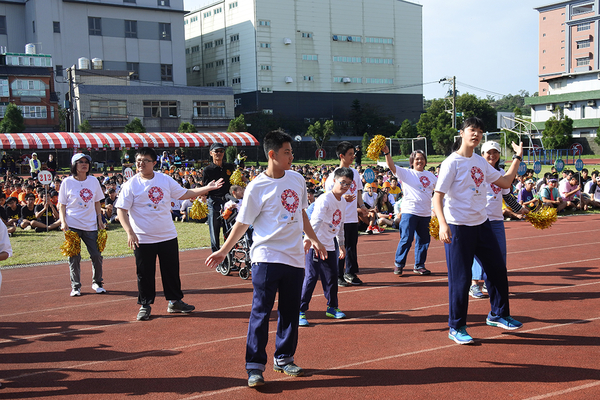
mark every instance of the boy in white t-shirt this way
{"type": "Point", "coordinates": [144, 209]}
{"type": "Point", "coordinates": [327, 221]}
{"type": "Point", "coordinates": [274, 204]}
{"type": "Point", "coordinates": [460, 205]}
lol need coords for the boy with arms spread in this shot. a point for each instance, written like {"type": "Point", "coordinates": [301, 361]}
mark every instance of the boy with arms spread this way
{"type": "Point", "coordinates": [327, 222]}
{"type": "Point", "coordinates": [274, 205]}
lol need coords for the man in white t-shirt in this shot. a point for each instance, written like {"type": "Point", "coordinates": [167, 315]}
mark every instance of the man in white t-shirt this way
{"type": "Point", "coordinates": [144, 209]}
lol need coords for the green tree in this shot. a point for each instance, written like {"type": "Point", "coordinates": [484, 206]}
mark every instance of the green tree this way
{"type": "Point", "coordinates": [364, 144]}
{"type": "Point", "coordinates": [557, 131]}
{"type": "Point", "coordinates": [13, 120]}
{"type": "Point", "coordinates": [238, 124]}
{"type": "Point", "coordinates": [187, 127]}
{"type": "Point", "coordinates": [407, 131]}
{"type": "Point", "coordinates": [85, 126]}
{"type": "Point", "coordinates": [366, 118]}
{"type": "Point", "coordinates": [470, 106]}
{"type": "Point", "coordinates": [230, 154]}
{"type": "Point", "coordinates": [442, 139]}
{"type": "Point", "coordinates": [135, 126]}
{"type": "Point", "coordinates": [320, 132]}
{"type": "Point", "coordinates": [62, 119]}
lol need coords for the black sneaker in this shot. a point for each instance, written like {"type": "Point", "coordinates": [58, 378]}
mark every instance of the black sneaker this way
{"type": "Point", "coordinates": [255, 378]}
{"type": "Point", "coordinates": [421, 271]}
{"type": "Point", "coordinates": [397, 271]}
{"type": "Point", "coordinates": [180, 307]}
{"type": "Point", "coordinates": [342, 283]}
{"type": "Point", "coordinates": [352, 279]}
{"type": "Point", "coordinates": [144, 313]}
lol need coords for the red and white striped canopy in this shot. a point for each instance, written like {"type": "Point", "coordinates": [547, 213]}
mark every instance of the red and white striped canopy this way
{"type": "Point", "coordinates": [76, 140]}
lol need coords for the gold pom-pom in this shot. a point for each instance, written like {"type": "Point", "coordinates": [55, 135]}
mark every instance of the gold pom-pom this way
{"type": "Point", "coordinates": [199, 210]}
{"type": "Point", "coordinates": [542, 218]}
{"type": "Point", "coordinates": [434, 228]}
{"type": "Point", "coordinates": [72, 245]}
{"type": "Point", "coordinates": [375, 146]}
{"type": "Point", "coordinates": [236, 178]}
{"type": "Point", "coordinates": [101, 242]}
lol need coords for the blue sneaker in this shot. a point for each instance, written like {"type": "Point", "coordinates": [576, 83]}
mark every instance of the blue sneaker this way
{"type": "Point", "coordinates": [460, 335]}
{"type": "Point", "coordinates": [255, 378]}
{"type": "Point", "coordinates": [303, 321]}
{"type": "Point", "coordinates": [503, 322]}
{"type": "Point", "coordinates": [334, 313]}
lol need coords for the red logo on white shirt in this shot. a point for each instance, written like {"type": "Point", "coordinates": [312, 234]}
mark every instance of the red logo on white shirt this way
{"type": "Point", "coordinates": [337, 218]}
{"type": "Point", "coordinates": [477, 176]}
{"type": "Point", "coordinates": [290, 200]}
{"type": "Point", "coordinates": [86, 194]}
{"type": "Point", "coordinates": [425, 181]}
{"type": "Point", "coordinates": [353, 187]}
{"type": "Point", "coordinates": [496, 189]}
{"type": "Point", "coordinates": [155, 194]}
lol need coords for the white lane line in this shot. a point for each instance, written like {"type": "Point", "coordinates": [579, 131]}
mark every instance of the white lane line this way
{"type": "Point", "coordinates": [561, 392]}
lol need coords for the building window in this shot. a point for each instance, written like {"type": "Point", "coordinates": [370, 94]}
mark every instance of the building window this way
{"type": "Point", "coordinates": [166, 72]}
{"type": "Point", "coordinates": [33, 26]}
{"type": "Point", "coordinates": [234, 38]}
{"type": "Point", "coordinates": [95, 26]}
{"type": "Point", "coordinates": [188, 70]}
{"type": "Point", "coordinates": [379, 40]}
{"type": "Point", "coordinates": [220, 83]}
{"type": "Point", "coordinates": [4, 91]}
{"type": "Point", "coordinates": [219, 63]}
{"type": "Point", "coordinates": [265, 67]}
{"type": "Point", "coordinates": [309, 57]}
{"type": "Point", "coordinates": [235, 59]}
{"type": "Point", "coordinates": [135, 68]}
{"type": "Point", "coordinates": [2, 24]}
{"type": "Point", "coordinates": [58, 70]}
{"type": "Point", "coordinates": [265, 45]}
{"type": "Point", "coordinates": [206, 14]}
{"type": "Point", "coordinates": [236, 80]}
{"type": "Point", "coordinates": [37, 112]}
{"type": "Point", "coordinates": [583, 44]}
{"type": "Point", "coordinates": [583, 27]}
{"type": "Point", "coordinates": [583, 9]}
{"type": "Point", "coordinates": [379, 60]}
{"type": "Point", "coordinates": [309, 78]}
{"type": "Point", "coordinates": [195, 49]}
{"type": "Point", "coordinates": [129, 1]}
{"type": "Point", "coordinates": [380, 81]}
{"type": "Point", "coordinates": [347, 59]}
{"type": "Point", "coordinates": [344, 38]}
{"type": "Point", "coordinates": [210, 108]}
{"type": "Point", "coordinates": [130, 29]}
{"type": "Point", "coordinates": [233, 5]}
{"type": "Point", "coordinates": [210, 84]}
{"type": "Point", "coordinates": [339, 79]}
{"type": "Point", "coordinates": [108, 108]}
{"type": "Point", "coordinates": [164, 31]}
{"type": "Point", "coordinates": [266, 90]}
{"type": "Point", "coordinates": [218, 10]}
{"type": "Point", "coordinates": [209, 65]}
{"type": "Point", "coordinates": [208, 45]}
{"type": "Point", "coordinates": [160, 109]}
{"type": "Point", "coordinates": [164, 3]}
{"type": "Point", "coordinates": [218, 42]}
{"type": "Point", "coordinates": [187, 50]}
{"type": "Point", "coordinates": [264, 23]}
{"type": "Point", "coordinates": [581, 62]}
{"type": "Point", "coordinates": [307, 35]}
{"type": "Point", "coordinates": [26, 87]}
{"type": "Point", "coordinates": [56, 26]}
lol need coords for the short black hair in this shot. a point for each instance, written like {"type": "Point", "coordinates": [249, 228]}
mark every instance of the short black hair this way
{"type": "Point", "coordinates": [343, 148]}
{"type": "Point", "coordinates": [146, 151]}
{"type": "Point", "coordinates": [344, 172]}
{"type": "Point", "coordinates": [474, 122]}
{"type": "Point", "coordinates": [12, 198]}
{"type": "Point", "coordinates": [275, 140]}
{"type": "Point", "coordinates": [29, 196]}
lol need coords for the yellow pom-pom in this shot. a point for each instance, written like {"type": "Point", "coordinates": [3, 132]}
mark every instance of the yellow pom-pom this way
{"type": "Point", "coordinates": [199, 210]}
{"type": "Point", "coordinates": [236, 178]}
{"type": "Point", "coordinates": [101, 242]}
{"type": "Point", "coordinates": [72, 245]}
{"type": "Point", "coordinates": [375, 146]}
{"type": "Point", "coordinates": [434, 228]}
{"type": "Point", "coordinates": [542, 218]}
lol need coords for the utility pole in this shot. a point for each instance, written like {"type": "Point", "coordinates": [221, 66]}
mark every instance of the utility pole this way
{"type": "Point", "coordinates": [453, 98]}
{"type": "Point", "coordinates": [70, 72]}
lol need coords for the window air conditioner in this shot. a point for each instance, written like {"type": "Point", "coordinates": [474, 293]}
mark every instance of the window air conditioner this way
{"type": "Point", "coordinates": [591, 103]}
{"type": "Point", "coordinates": [569, 105]}
{"type": "Point", "coordinates": [335, 38]}
{"type": "Point", "coordinates": [196, 68]}
{"type": "Point", "coordinates": [288, 79]}
{"type": "Point", "coordinates": [162, 2]}
{"type": "Point", "coordinates": [346, 80]}
{"type": "Point", "coordinates": [287, 41]}
{"type": "Point", "coordinates": [549, 107]}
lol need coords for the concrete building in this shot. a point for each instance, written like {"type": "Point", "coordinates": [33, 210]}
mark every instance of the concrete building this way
{"type": "Point", "coordinates": [310, 59]}
{"type": "Point", "coordinates": [568, 38]}
{"type": "Point", "coordinates": [142, 36]}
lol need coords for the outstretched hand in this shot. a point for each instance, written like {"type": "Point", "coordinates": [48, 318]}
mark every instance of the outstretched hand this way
{"type": "Point", "coordinates": [212, 185]}
{"type": "Point", "coordinates": [518, 149]}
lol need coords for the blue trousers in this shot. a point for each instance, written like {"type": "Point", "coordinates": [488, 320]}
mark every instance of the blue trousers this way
{"type": "Point", "coordinates": [498, 228]}
{"type": "Point", "coordinates": [349, 264]}
{"type": "Point", "coordinates": [267, 280]}
{"type": "Point", "coordinates": [409, 225]}
{"type": "Point", "coordinates": [468, 242]}
{"type": "Point", "coordinates": [326, 270]}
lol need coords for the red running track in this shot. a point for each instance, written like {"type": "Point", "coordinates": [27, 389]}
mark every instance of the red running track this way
{"type": "Point", "coordinates": [393, 345]}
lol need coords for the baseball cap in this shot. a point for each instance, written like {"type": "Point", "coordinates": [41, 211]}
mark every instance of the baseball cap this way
{"type": "Point", "coordinates": [552, 180]}
{"type": "Point", "coordinates": [487, 146]}
{"type": "Point", "coordinates": [529, 181]}
{"type": "Point", "coordinates": [374, 185]}
{"type": "Point", "coordinates": [386, 184]}
{"type": "Point", "coordinates": [216, 146]}
{"type": "Point", "coordinates": [33, 154]}
{"type": "Point", "coordinates": [78, 157]}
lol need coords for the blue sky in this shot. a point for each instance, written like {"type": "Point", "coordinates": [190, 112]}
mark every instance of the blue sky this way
{"type": "Point", "coordinates": [491, 46]}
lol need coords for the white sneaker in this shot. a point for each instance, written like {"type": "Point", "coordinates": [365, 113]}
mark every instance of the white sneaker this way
{"type": "Point", "coordinates": [98, 288]}
{"type": "Point", "coordinates": [75, 292]}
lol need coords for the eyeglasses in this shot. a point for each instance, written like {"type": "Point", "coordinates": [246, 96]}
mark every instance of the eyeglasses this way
{"type": "Point", "coordinates": [143, 161]}
{"type": "Point", "coordinates": [344, 184]}
{"type": "Point", "coordinates": [84, 161]}
{"type": "Point", "coordinates": [219, 151]}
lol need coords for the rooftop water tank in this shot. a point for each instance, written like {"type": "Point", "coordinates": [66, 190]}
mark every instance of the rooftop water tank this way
{"type": "Point", "coordinates": [83, 63]}
{"type": "Point", "coordinates": [30, 48]}
{"type": "Point", "coordinates": [96, 63]}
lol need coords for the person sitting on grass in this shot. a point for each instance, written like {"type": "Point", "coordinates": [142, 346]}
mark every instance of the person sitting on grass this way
{"type": "Point", "coordinates": [385, 211]}
{"type": "Point", "coordinates": [46, 215]}
{"type": "Point", "coordinates": [551, 196]}
{"type": "Point", "coordinates": [13, 212]}
{"type": "Point", "coordinates": [28, 212]}
{"type": "Point", "coordinates": [527, 197]}
{"type": "Point", "coordinates": [570, 191]}
{"type": "Point", "coordinates": [109, 210]}
{"type": "Point", "coordinates": [369, 198]}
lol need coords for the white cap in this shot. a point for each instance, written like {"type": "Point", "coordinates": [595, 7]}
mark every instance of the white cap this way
{"type": "Point", "coordinates": [487, 146]}
{"type": "Point", "coordinates": [78, 157]}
